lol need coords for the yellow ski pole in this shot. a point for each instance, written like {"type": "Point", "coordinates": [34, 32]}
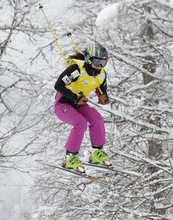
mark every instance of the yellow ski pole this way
{"type": "Point", "coordinates": [41, 7]}
{"type": "Point", "coordinates": [71, 38]}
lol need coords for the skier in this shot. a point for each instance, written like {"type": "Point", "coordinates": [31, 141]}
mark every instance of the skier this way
{"type": "Point", "coordinates": [84, 75]}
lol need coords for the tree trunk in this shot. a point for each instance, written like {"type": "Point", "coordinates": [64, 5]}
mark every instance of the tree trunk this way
{"type": "Point", "coordinates": [154, 146]}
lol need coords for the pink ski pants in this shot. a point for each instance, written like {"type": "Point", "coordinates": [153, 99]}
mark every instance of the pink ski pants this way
{"type": "Point", "coordinates": [78, 118]}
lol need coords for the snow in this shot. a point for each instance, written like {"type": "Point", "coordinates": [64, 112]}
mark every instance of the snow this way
{"type": "Point", "coordinates": [168, 3]}
{"type": "Point", "coordinates": [171, 3]}
{"type": "Point", "coordinates": [108, 14]}
{"type": "Point", "coordinates": [86, 155]}
{"type": "Point", "coordinates": [44, 211]}
{"type": "Point", "coordinates": [171, 133]}
{"type": "Point", "coordinates": [139, 122]}
{"type": "Point", "coordinates": [15, 200]}
{"type": "Point", "coordinates": [171, 47]}
{"type": "Point", "coordinates": [14, 206]}
{"type": "Point", "coordinates": [14, 188]}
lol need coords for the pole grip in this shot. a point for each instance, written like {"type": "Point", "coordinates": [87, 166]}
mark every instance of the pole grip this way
{"type": "Point", "coordinates": [40, 6]}
{"type": "Point", "coordinates": [69, 34]}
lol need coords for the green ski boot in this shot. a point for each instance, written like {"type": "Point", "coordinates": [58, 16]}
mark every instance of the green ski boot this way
{"type": "Point", "coordinates": [100, 157]}
{"type": "Point", "coordinates": [73, 162]}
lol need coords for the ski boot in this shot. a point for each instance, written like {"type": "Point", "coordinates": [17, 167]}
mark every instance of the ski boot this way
{"type": "Point", "coordinates": [73, 162]}
{"type": "Point", "coordinates": [98, 156]}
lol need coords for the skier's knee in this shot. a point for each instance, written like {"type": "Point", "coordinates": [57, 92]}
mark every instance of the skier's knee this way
{"type": "Point", "coordinates": [84, 125]}
{"type": "Point", "coordinates": [81, 125]}
{"type": "Point", "coordinates": [98, 118]}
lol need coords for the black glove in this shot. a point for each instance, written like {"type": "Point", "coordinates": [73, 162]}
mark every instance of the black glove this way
{"type": "Point", "coordinates": [81, 99]}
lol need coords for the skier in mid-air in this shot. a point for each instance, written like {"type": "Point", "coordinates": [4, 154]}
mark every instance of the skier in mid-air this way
{"type": "Point", "coordinates": [85, 74]}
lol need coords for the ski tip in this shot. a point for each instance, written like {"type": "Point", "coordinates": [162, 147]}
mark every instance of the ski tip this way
{"type": "Point", "coordinates": [104, 183]}
{"type": "Point", "coordinates": [101, 182]}
{"type": "Point", "coordinates": [138, 174]}
{"type": "Point", "coordinates": [38, 160]}
{"type": "Point", "coordinates": [133, 173]}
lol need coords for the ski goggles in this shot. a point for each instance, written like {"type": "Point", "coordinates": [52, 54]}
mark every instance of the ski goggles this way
{"type": "Point", "coordinates": [99, 62]}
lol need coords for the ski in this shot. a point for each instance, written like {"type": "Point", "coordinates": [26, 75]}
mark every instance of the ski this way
{"type": "Point", "coordinates": [84, 175]}
{"type": "Point", "coordinates": [113, 168]}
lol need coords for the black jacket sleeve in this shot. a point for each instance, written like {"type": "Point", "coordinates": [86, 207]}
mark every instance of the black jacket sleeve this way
{"type": "Point", "coordinates": [68, 76]}
{"type": "Point", "coordinates": [103, 87]}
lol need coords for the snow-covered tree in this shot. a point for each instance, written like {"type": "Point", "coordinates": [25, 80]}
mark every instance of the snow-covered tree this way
{"type": "Point", "coordinates": [23, 107]}
{"type": "Point", "coordinates": [138, 36]}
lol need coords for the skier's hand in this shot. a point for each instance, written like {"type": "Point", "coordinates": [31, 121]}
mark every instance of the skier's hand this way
{"type": "Point", "coordinates": [103, 99]}
{"type": "Point", "coordinates": [81, 99]}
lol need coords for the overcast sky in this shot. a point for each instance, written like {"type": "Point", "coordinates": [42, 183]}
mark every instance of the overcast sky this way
{"type": "Point", "coordinates": [54, 6]}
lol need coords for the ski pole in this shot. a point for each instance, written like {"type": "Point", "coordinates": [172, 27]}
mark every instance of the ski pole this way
{"type": "Point", "coordinates": [41, 7]}
{"type": "Point", "coordinates": [69, 35]}
{"type": "Point", "coordinates": [71, 38]}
